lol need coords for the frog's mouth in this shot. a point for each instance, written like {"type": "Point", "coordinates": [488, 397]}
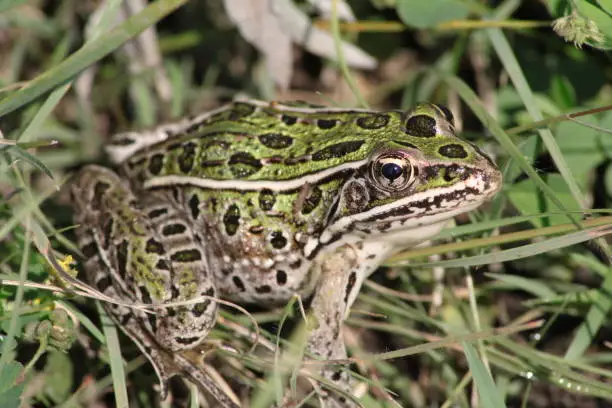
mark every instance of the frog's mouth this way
{"type": "Point", "coordinates": [423, 208]}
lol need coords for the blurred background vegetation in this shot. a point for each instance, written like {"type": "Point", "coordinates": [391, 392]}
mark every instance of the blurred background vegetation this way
{"type": "Point", "coordinates": [509, 308]}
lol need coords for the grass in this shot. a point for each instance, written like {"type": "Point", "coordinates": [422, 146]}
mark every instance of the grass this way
{"type": "Point", "coordinates": [509, 308]}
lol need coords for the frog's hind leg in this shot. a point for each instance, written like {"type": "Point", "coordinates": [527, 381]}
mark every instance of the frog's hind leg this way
{"type": "Point", "coordinates": [126, 259]}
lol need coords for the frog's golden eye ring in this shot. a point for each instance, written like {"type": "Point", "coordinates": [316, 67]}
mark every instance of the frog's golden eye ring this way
{"type": "Point", "coordinates": [392, 171]}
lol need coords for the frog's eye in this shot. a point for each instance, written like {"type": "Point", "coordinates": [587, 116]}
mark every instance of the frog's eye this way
{"type": "Point", "coordinates": [392, 171]}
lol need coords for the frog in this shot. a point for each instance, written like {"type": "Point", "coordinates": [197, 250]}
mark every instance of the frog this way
{"type": "Point", "coordinates": [258, 202]}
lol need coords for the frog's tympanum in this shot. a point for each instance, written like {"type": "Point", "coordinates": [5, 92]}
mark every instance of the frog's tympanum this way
{"type": "Point", "coordinates": [258, 201]}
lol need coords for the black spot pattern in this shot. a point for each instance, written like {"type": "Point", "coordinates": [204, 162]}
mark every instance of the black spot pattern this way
{"type": "Point", "coordinates": [173, 229]}
{"type": "Point", "coordinates": [275, 140]}
{"type": "Point", "coordinates": [122, 258]}
{"type": "Point", "coordinates": [453, 151]}
{"type": "Point", "coordinates": [107, 228]}
{"type": "Point", "coordinates": [312, 200]}
{"type": "Point", "coordinates": [338, 150]}
{"type": "Point", "coordinates": [158, 212]}
{"type": "Point", "coordinates": [243, 164]}
{"type": "Point", "coordinates": [278, 240]}
{"type": "Point", "coordinates": [263, 289]}
{"type": "Point", "coordinates": [289, 120]}
{"type": "Point", "coordinates": [187, 158]}
{"type": "Point", "coordinates": [326, 123]}
{"type": "Point", "coordinates": [98, 192]}
{"type": "Point", "coordinates": [187, 340]}
{"type": "Point", "coordinates": [373, 121]}
{"type": "Point", "coordinates": [240, 110]}
{"type": "Point", "coordinates": [194, 206]}
{"type": "Point", "coordinates": [187, 255]}
{"type": "Point", "coordinates": [447, 114]}
{"type": "Point", "coordinates": [267, 199]}
{"type": "Point", "coordinates": [231, 219]}
{"type": "Point", "coordinates": [352, 279]}
{"type": "Point", "coordinates": [281, 277]}
{"type": "Point", "coordinates": [154, 247]}
{"type": "Point", "coordinates": [162, 265]}
{"type": "Point", "coordinates": [156, 163]}
{"type": "Point", "coordinates": [421, 126]}
{"type": "Point", "coordinates": [90, 250]}
{"type": "Point", "coordinates": [104, 283]}
{"type": "Point", "coordinates": [238, 282]}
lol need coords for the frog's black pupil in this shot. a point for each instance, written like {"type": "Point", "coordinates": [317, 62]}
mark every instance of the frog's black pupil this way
{"type": "Point", "coordinates": [391, 171]}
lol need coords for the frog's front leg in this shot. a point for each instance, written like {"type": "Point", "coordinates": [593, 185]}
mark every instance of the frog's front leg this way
{"type": "Point", "coordinates": [142, 250]}
{"type": "Point", "coordinates": [342, 273]}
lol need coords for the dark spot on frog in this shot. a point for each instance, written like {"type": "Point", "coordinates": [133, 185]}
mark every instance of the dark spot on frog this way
{"type": "Point", "coordinates": [145, 295]}
{"type": "Point", "coordinates": [199, 309]}
{"type": "Point", "coordinates": [373, 121]}
{"type": "Point", "coordinates": [194, 206]}
{"type": "Point", "coordinates": [337, 376]}
{"type": "Point", "coordinates": [267, 199]}
{"type": "Point", "coordinates": [158, 212]}
{"type": "Point", "coordinates": [175, 292]}
{"type": "Point", "coordinates": [337, 150]}
{"type": "Point", "coordinates": [187, 340]}
{"type": "Point", "coordinates": [104, 283]}
{"type": "Point", "coordinates": [90, 250]}
{"type": "Point", "coordinates": [152, 321]}
{"type": "Point", "coordinates": [240, 110]}
{"type": "Point", "coordinates": [352, 279]}
{"type": "Point", "coordinates": [187, 255]}
{"type": "Point", "coordinates": [162, 265]}
{"type": "Point", "coordinates": [154, 247]}
{"type": "Point", "coordinates": [173, 229]}
{"type": "Point", "coordinates": [243, 164]}
{"type": "Point", "coordinates": [448, 115]}
{"type": "Point", "coordinates": [122, 258]}
{"type": "Point", "coordinates": [326, 123]}
{"type": "Point", "coordinates": [312, 200]}
{"type": "Point", "coordinates": [187, 157]}
{"type": "Point", "coordinates": [296, 264]}
{"type": "Point", "coordinates": [231, 219]}
{"type": "Point", "coordinates": [263, 289]}
{"type": "Point", "coordinates": [278, 240]}
{"type": "Point", "coordinates": [107, 228]}
{"type": "Point", "coordinates": [275, 140]}
{"type": "Point", "coordinates": [421, 126]}
{"type": "Point", "coordinates": [288, 120]}
{"type": "Point", "coordinates": [239, 284]}
{"type": "Point", "coordinates": [125, 319]}
{"type": "Point", "coordinates": [281, 277]}
{"type": "Point", "coordinates": [98, 193]}
{"type": "Point", "coordinates": [156, 162]}
{"type": "Point", "coordinates": [453, 151]}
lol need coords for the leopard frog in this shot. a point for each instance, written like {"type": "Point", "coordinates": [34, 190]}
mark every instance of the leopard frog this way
{"type": "Point", "coordinates": [256, 202]}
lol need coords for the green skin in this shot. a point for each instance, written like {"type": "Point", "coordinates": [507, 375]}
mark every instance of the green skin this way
{"type": "Point", "coordinates": [256, 202]}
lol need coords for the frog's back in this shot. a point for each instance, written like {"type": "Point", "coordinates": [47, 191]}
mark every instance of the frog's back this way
{"type": "Point", "coordinates": [255, 141]}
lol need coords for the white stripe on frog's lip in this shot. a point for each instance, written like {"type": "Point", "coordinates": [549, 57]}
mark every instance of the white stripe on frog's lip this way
{"type": "Point", "coordinates": [420, 215]}
{"type": "Point", "coordinates": [252, 185]}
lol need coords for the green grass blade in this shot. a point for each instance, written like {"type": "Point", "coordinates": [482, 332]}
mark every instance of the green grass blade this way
{"type": "Point", "coordinates": [88, 54]}
{"type": "Point", "coordinates": [508, 59]}
{"type": "Point", "coordinates": [116, 361]}
{"type": "Point", "coordinates": [468, 95]}
{"type": "Point", "coordinates": [487, 390]}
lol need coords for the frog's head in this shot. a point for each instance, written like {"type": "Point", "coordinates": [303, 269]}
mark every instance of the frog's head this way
{"type": "Point", "coordinates": [419, 176]}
